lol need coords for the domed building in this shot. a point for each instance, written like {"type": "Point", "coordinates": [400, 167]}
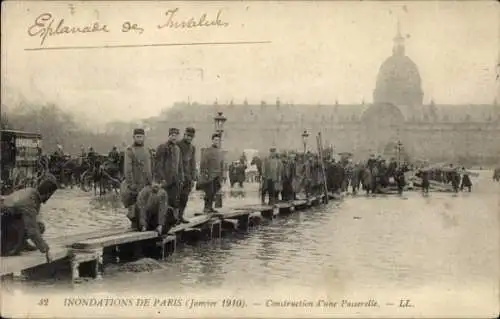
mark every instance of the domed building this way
{"type": "Point", "coordinates": [398, 80]}
{"type": "Point", "coordinates": [466, 134]}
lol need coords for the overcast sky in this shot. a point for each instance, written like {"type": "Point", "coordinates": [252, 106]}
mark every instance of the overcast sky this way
{"type": "Point", "coordinates": [319, 52]}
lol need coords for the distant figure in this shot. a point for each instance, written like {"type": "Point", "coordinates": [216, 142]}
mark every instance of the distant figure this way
{"type": "Point", "coordinates": [425, 181]}
{"type": "Point", "coordinates": [114, 155]}
{"type": "Point", "coordinates": [237, 173]}
{"type": "Point", "coordinates": [399, 178]}
{"type": "Point", "coordinates": [496, 174]}
{"type": "Point", "coordinates": [455, 180]}
{"type": "Point", "coordinates": [466, 182]}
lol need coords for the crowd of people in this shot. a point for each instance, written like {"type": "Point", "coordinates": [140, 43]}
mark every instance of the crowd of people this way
{"type": "Point", "coordinates": [156, 184]}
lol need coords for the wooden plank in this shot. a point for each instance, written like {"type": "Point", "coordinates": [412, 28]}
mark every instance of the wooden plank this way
{"type": "Point", "coordinates": [299, 202]}
{"type": "Point", "coordinates": [113, 240]}
{"type": "Point", "coordinates": [257, 207]}
{"type": "Point", "coordinates": [193, 222]}
{"type": "Point", "coordinates": [68, 240]}
{"type": "Point", "coordinates": [235, 213]}
{"type": "Point", "coordinates": [283, 205]}
{"type": "Point", "coordinates": [30, 259]}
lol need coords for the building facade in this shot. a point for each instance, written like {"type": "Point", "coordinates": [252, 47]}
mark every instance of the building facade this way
{"type": "Point", "coordinates": [453, 133]}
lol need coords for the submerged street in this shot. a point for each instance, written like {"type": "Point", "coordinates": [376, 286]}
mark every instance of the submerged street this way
{"type": "Point", "coordinates": [433, 250]}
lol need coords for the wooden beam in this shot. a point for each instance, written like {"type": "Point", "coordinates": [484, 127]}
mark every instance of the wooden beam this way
{"type": "Point", "coordinates": [114, 240]}
{"type": "Point", "coordinates": [30, 259]}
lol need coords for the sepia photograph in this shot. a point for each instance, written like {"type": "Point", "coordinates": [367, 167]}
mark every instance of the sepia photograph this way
{"type": "Point", "coordinates": [258, 159]}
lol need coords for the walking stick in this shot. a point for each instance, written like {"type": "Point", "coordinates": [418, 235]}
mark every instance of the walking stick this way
{"type": "Point", "coordinates": [320, 151]}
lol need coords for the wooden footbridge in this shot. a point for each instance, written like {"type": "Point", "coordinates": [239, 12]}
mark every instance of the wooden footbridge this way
{"type": "Point", "coordinates": [88, 255]}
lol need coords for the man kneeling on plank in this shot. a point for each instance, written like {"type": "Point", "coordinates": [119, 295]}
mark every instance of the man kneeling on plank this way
{"type": "Point", "coordinates": [152, 206]}
{"type": "Point", "coordinates": [19, 218]}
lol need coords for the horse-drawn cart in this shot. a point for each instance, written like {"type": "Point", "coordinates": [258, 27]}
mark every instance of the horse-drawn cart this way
{"type": "Point", "coordinates": [18, 159]}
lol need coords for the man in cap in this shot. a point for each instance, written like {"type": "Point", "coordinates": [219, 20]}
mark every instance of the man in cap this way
{"type": "Point", "coordinates": [188, 153]}
{"type": "Point", "coordinates": [137, 171]}
{"type": "Point", "coordinates": [169, 172]}
{"type": "Point", "coordinates": [27, 203]}
{"type": "Point", "coordinates": [272, 171]}
{"type": "Point", "coordinates": [211, 169]}
{"type": "Point", "coordinates": [152, 206]}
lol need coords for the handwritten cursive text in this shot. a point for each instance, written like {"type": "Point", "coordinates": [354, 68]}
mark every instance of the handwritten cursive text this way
{"type": "Point", "coordinates": [44, 23]}
{"type": "Point", "coordinates": [192, 22]}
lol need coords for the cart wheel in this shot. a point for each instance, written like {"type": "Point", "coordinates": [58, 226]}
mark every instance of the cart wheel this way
{"type": "Point", "coordinates": [13, 235]}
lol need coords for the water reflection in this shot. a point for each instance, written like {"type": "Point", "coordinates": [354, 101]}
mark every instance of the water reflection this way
{"type": "Point", "coordinates": [392, 243]}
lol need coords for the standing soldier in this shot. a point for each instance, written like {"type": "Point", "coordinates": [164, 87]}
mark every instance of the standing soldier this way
{"type": "Point", "coordinates": [169, 172]}
{"type": "Point", "coordinates": [211, 168]}
{"type": "Point", "coordinates": [272, 169]}
{"type": "Point", "coordinates": [137, 169]}
{"type": "Point", "coordinates": [188, 152]}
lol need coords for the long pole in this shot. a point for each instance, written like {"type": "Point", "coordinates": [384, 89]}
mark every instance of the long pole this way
{"type": "Point", "coordinates": [320, 152]}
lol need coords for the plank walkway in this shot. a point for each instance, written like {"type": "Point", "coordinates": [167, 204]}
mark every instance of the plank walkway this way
{"type": "Point", "coordinates": [91, 248]}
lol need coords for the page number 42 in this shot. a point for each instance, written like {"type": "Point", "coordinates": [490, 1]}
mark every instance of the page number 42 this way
{"type": "Point", "coordinates": [43, 302]}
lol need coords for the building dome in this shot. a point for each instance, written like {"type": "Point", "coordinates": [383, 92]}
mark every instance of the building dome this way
{"type": "Point", "coordinates": [398, 80]}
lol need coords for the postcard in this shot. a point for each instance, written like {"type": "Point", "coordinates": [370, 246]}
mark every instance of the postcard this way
{"type": "Point", "coordinates": [251, 159]}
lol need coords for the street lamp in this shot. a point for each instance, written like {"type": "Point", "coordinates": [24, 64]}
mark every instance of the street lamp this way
{"type": "Point", "coordinates": [305, 135]}
{"type": "Point", "coordinates": [219, 121]}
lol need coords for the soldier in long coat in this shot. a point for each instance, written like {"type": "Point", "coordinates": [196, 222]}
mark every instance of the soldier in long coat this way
{"type": "Point", "coordinates": [170, 172]}
{"type": "Point", "coordinates": [287, 192]}
{"type": "Point", "coordinates": [137, 171]}
{"type": "Point", "coordinates": [188, 153]}
{"type": "Point", "coordinates": [272, 172]}
{"type": "Point", "coordinates": [211, 169]}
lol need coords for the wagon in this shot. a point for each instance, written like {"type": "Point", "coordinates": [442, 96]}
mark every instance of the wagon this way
{"type": "Point", "coordinates": [19, 150]}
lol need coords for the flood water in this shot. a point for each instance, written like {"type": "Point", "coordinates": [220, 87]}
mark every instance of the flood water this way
{"type": "Point", "coordinates": [437, 250]}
